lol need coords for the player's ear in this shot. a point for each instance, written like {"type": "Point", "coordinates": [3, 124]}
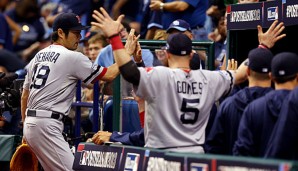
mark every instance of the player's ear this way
{"type": "Point", "coordinates": [60, 32]}
{"type": "Point", "coordinates": [248, 72]}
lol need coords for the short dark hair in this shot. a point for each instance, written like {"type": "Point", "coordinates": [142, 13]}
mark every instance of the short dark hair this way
{"type": "Point", "coordinates": [55, 36]}
{"type": "Point", "coordinates": [259, 76]}
{"type": "Point", "coordinates": [280, 80]}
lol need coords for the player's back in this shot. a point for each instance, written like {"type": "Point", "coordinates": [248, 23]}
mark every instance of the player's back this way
{"type": "Point", "coordinates": [52, 78]}
{"type": "Point", "coordinates": [178, 105]}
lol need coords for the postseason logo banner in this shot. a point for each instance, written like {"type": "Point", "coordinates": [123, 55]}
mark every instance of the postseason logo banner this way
{"type": "Point", "coordinates": [94, 157]}
{"type": "Point", "coordinates": [290, 12]}
{"type": "Point", "coordinates": [246, 16]}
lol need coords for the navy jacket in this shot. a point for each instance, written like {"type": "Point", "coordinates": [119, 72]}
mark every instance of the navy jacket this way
{"type": "Point", "coordinates": [223, 133]}
{"type": "Point", "coordinates": [283, 143]}
{"type": "Point", "coordinates": [257, 123]}
{"type": "Point", "coordinates": [135, 138]}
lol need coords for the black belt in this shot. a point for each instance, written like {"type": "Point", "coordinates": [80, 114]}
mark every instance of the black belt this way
{"type": "Point", "coordinates": [54, 115]}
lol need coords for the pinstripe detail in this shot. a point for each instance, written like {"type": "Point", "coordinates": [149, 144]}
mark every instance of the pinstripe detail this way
{"type": "Point", "coordinates": [92, 74]}
{"type": "Point", "coordinates": [231, 84]}
{"type": "Point", "coordinates": [103, 72]}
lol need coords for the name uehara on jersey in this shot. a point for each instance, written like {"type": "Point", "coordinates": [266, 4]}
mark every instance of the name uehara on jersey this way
{"type": "Point", "coordinates": [189, 88]}
{"type": "Point", "coordinates": [47, 56]}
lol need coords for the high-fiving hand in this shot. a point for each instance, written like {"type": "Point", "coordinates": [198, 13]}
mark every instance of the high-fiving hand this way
{"type": "Point", "coordinates": [272, 35]}
{"type": "Point", "coordinates": [109, 26]}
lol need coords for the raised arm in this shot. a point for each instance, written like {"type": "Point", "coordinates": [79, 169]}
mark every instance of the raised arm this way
{"type": "Point", "coordinates": [272, 35]}
{"type": "Point", "coordinates": [112, 73]}
{"type": "Point", "coordinates": [111, 29]}
{"type": "Point", "coordinates": [266, 40]}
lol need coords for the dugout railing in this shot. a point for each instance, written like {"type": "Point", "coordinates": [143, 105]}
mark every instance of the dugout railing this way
{"type": "Point", "coordinates": [207, 46]}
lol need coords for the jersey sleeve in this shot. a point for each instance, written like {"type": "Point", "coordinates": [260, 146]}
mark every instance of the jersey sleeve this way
{"type": "Point", "coordinates": [221, 82]}
{"type": "Point", "coordinates": [150, 82]}
{"type": "Point", "coordinates": [87, 71]}
{"type": "Point", "coordinates": [192, 3]}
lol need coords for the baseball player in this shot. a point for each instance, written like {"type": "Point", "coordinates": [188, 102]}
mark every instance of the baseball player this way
{"type": "Point", "coordinates": [177, 124]}
{"type": "Point", "coordinates": [49, 88]}
{"type": "Point", "coordinates": [260, 116]}
{"type": "Point", "coordinates": [284, 139]}
{"type": "Point", "coordinates": [223, 133]}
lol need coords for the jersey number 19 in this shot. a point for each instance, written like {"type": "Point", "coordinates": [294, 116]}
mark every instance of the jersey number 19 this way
{"type": "Point", "coordinates": [40, 77]}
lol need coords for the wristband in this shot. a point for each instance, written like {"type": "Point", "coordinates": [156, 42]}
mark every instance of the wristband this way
{"type": "Point", "coordinates": [263, 46]}
{"type": "Point", "coordinates": [116, 42]}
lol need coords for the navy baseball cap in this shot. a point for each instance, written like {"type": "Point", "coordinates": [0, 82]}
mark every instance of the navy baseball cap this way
{"type": "Point", "coordinates": [259, 60]}
{"type": "Point", "coordinates": [284, 64]}
{"type": "Point", "coordinates": [179, 44]}
{"type": "Point", "coordinates": [68, 21]}
{"type": "Point", "coordinates": [180, 25]}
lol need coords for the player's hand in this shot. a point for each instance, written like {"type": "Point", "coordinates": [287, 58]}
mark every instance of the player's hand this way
{"type": "Point", "coordinates": [272, 35]}
{"type": "Point", "coordinates": [155, 5]}
{"type": "Point", "coordinates": [232, 64]}
{"type": "Point", "coordinates": [131, 42]}
{"type": "Point", "coordinates": [138, 54]}
{"type": "Point", "coordinates": [109, 26]}
{"type": "Point", "coordinates": [101, 137]}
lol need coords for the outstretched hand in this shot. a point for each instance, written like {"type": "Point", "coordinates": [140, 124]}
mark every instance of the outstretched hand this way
{"type": "Point", "coordinates": [131, 42]}
{"type": "Point", "coordinates": [272, 35]}
{"type": "Point", "coordinates": [109, 26]}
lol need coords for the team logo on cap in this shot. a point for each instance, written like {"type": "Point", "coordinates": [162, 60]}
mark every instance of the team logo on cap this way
{"type": "Point", "coordinates": [176, 23]}
{"type": "Point", "coordinates": [272, 13]}
{"type": "Point", "coordinates": [79, 19]}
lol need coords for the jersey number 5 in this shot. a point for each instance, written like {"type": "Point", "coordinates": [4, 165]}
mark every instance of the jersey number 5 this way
{"type": "Point", "coordinates": [191, 115]}
{"type": "Point", "coordinates": [40, 77]}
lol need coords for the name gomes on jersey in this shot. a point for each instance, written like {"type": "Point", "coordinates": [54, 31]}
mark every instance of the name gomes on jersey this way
{"type": "Point", "coordinates": [47, 56]}
{"type": "Point", "coordinates": [189, 88]}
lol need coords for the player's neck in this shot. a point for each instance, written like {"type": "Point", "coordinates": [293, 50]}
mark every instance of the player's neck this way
{"type": "Point", "coordinates": [180, 64]}
{"type": "Point", "coordinates": [58, 43]}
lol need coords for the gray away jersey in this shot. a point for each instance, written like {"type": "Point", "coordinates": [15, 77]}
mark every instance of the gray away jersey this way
{"type": "Point", "coordinates": [178, 104]}
{"type": "Point", "coordinates": [52, 77]}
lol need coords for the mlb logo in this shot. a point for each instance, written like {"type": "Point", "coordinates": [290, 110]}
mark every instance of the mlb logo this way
{"type": "Point", "coordinates": [132, 162]}
{"type": "Point", "coordinates": [272, 13]}
{"type": "Point", "coordinates": [199, 167]}
{"type": "Point", "coordinates": [83, 158]}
